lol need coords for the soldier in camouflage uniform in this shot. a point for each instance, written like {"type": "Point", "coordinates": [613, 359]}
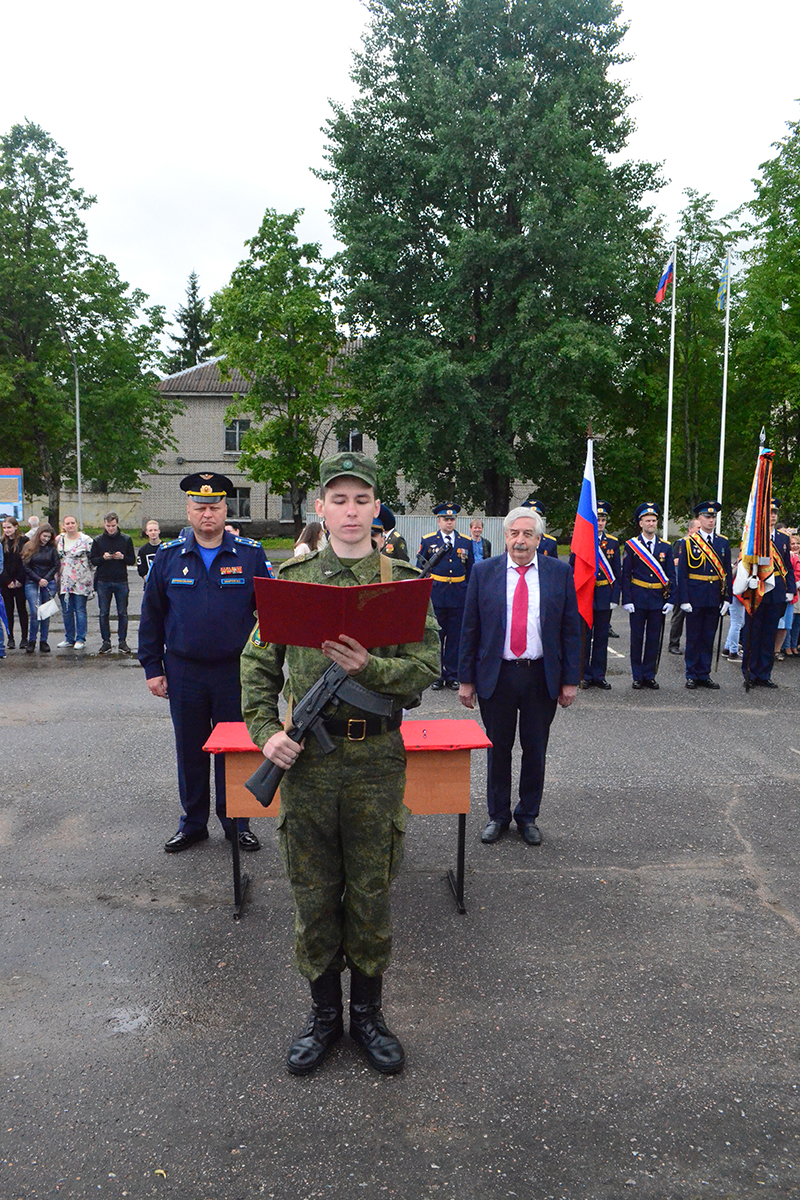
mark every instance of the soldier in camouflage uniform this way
{"type": "Point", "coordinates": [342, 815]}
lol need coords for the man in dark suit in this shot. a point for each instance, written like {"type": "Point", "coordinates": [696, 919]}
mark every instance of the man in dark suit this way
{"type": "Point", "coordinates": [704, 592]}
{"type": "Point", "coordinates": [760, 630]}
{"type": "Point", "coordinates": [520, 652]}
{"type": "Point", "coordinates": [481, 547]}
{"type": "Point", "coordinates": [648, 584]}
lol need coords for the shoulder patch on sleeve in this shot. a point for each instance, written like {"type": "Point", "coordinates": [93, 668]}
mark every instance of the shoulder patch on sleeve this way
{"type": "Point", "coordinates": [255, 640]}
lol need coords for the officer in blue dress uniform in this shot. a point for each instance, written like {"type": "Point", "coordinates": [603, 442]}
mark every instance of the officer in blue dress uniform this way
{"type": "Point", "coordinates": [758, 635]}
{"type": "Point", "coordinates": [606, 597]}
{"type": "Point", "coordinates": [704, 592]}
{"type": "Point", "coordinates": [394, 546]}
{"type": "Point", "coordinates": [449, 591]}
{"type": "Point", "coordinates": [548, 546]}
{"type": "Point", "coordinates": [197, 613]}
{"type": "Point", "coordinates": [648, 585]}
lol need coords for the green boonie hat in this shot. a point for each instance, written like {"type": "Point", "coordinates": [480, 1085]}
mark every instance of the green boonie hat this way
{"type": "Point", "coordinates": [357, 465]}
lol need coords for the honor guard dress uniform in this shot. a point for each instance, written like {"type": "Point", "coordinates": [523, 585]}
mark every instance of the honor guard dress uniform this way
{"type": "Point", "coordinates": [704, 593]}
{"type": "Point", "coordinates": [394, 546]}
{"type": "Point", "coordinates": [548, 546]}
{"type": "Point", "coordinates": [648, 584]}
{"type": "Point", "coordinates": [607, 592]}
{"type": "Point", "coordinates": [758, 635]}
{"type": "Point", "coordinates": [197, 614]}
{"type": "Point", "coordinates": [450, 577]}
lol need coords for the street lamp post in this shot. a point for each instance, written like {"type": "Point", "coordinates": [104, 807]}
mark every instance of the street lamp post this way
{"type": "Point", "coordinates": [64, 335]}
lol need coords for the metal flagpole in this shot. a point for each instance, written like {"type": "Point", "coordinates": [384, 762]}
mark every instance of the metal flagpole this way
{"type": "Point", "coordinates": [668, 463]}
{"type": "Point", "coordinates": [727, 278]}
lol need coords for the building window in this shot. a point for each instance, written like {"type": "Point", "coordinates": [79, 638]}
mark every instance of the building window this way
{"type": "Point", "coordinates": [239, 504]}
{"type": "Point", "coordinates": [354, 442]}
{"type": "Point", "coordinates": [287, 517]}
{"type": "Point", "coordinates": [233, 436]}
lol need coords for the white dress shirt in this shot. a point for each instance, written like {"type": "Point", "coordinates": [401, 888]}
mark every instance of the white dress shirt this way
{"type": "Point", "coordinates": [534, 646]}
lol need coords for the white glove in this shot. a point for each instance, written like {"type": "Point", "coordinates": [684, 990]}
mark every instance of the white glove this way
{"type": "Point", "coordinates": [667, 609]}
{"type": "Point", "coordinates": [612, 606]}
{"type": "Point", "coordinates": [686, 608]}
{"type": "Point", "coordinates": [629, 608]}
{"type": "Point", "coordinates": [789, 597]}
{"type": "Point", "coordinates": [724, 608]}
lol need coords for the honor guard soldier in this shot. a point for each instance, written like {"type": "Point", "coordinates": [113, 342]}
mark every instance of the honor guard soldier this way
{"type": "Point", "coordinates": [197, 614]}
{"type": "Point", "coordinates": [449, 591]}
{"type": "Point", "coordinates": [648, 584]}
{"type": "Point", "coordinates": [394, 545]}
{"type": "Point", "coordinates": [704, 592]}
{"type": "Point", "coordinates": [607, 591]}
{"type": "Point", "coordinates": [548, 546]}
{"type": "Point", "coordinates": [760, 630]}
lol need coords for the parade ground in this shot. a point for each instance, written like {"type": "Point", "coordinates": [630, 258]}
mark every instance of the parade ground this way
{"type": "Point", "coordinates": [615, 1015]}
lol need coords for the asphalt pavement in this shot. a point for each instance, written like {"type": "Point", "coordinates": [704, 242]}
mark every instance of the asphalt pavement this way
{"type": "Point", "coordinates": [615, 1015]}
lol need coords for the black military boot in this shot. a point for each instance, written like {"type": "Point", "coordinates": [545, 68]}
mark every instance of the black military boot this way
{"type": "Point", "coordinates": [323, 1028]}
{"type": "Point", "coordinates": [367, 1026]}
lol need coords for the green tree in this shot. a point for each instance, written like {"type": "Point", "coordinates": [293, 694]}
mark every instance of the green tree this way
{"type": "Point", "coordinates": [194, 319]}
{"type": "Point", "coordinates": [275, 323]}
{"type": "Point", "coordinates": [52, 286]}
{"type": "Point", "coordinates": [490, 240]}
{"type": "Point", "coordinates": [767, 368]}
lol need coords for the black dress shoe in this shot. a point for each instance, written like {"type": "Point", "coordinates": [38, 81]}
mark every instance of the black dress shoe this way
{"type": "Point", "coordinates": [585, 684]}
{"type": "Point", "coordinates": [493, 832]}
{"type": "Point", "coordinates": [182, 841]}
{"type": "Point", "coordinates": [637, 685]}
{"type": "Point", "coordinates": [611, 633]}
{"type": "Point", "coordinates": [708, 683]}
{"type": "Point", "coordinates": [453, 685]}
{"type": "Point", "coordinates": [531, 834]}
{"type": "Point", "coordinates": [767, 683]}
{"type": "Point", "coordinates": [247, 839]}
{"type": "Point", "coordinates": [437, 685]}
{"type": "Point", "coordinates": [603, 684]}
{"type": "Point", "coordinates": [650, 683]}
{"type": "Point", "coordinates": [674, 649]}
{"type": "Point", "coordinates": [691, 684]}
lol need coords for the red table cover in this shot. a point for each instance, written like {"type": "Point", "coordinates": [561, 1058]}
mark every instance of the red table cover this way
{"type": "Point", "coordinates": [231, 737]}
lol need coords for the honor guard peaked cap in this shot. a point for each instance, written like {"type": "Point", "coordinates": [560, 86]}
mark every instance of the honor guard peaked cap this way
{"type": "Point", "coordinates": [207, 487]}
{"type": "Point", "coordinates": [648, 509]}
{"type": "Point", "coordinates": [360, 466]}
{"type": "Point", "coordinates": [775, 504]}
{"type": "Point", "coordinates": [603, 508]}
{"type": "Point", "coordinates": [535, 504]}
{"type": "Point", "coordinates": [446, 510]}
{"type": "Point", "coordinates": [707, 508]}
{"type": "Point", "coordinates": [378, 526]}
{"type": "Point", "coordinates": [386, 518]}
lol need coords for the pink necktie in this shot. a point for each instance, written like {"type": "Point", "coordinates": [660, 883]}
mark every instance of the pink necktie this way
{"type": "Point", "coordinates": [519, 615]}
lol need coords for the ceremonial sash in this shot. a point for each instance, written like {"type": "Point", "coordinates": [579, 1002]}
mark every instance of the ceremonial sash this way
{"type": "Point", "coordinates": [778, 565]}
{"type": "Point", "coordinates": [707, 552]}
{"type": "Point", "coordinates": [649, 560]}
{"type": "Point", "coordinates": [605, 566]}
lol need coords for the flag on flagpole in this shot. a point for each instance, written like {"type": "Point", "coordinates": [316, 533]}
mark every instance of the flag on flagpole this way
{"type": "Point", "coordinates": [754, 574]}
{"type": "Point", "coordinates": [666, 278]}
{"type": "Point", "coordinates": [722, 293]}
{"type": "Point", "coordinates": [585, 540]}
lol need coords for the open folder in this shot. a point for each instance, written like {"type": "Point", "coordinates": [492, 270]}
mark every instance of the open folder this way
{"type": "Point", "coordinates": [307, 614]}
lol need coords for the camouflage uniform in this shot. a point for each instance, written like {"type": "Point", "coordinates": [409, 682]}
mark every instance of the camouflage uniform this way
{"type": "Point", "coordinates": [342, 815]}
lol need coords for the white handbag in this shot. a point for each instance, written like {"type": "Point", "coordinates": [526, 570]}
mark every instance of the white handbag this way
{"type": "Point", "coordinates": [48, 609]}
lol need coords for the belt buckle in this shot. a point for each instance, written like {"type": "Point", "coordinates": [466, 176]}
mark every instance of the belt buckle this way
{"type": "Point", "coordinates": [351, 737]}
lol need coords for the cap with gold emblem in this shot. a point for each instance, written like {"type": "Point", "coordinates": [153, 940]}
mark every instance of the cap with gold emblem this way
{"type": "Point", "coordinates": [447, 510]}
{"type": "Point", "coordinates": [360, 466]}
{"type": "Point", "coordinates": [206, 487]}
{"type": "Point", "coordinates": [648, 509]}
{"type": "Point", "coordinates": [603, 508]}
{"type": "Point", "coordinates": [707, 508]}
{"type": "Point", "coordinates": [535, 504]}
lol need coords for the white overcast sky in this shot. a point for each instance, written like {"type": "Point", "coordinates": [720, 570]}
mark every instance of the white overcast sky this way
{"type": "Point", "coordinates": [187, 120]}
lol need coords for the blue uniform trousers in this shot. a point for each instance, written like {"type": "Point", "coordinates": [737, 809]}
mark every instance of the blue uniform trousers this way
{"type": "Point", "coordinates": [200, 695]}
{"type": "Point", "coordinates": [701, 626]}
{"type": "Point", "coordinates": [450, 618]}
{"type": "Point", "coordinates": [520, 688]}
{"type": "Point", "coordinates": [758, 639]}
{"type": "Point", "coordinates": [595, 645]}
{"type": "Point", "coordinates": [645, 638]}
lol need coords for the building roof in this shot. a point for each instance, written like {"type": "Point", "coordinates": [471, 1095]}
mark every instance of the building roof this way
{"type": "Point", "coordinates": [205, 378]}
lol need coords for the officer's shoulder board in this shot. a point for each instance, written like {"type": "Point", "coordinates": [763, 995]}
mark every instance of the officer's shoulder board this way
{"type": "Point", "coordinates": [243, 541]}
{"type": "Point", "coordinates": [178, 541]}
{"type": "Point", "coordinates": [427, 537]}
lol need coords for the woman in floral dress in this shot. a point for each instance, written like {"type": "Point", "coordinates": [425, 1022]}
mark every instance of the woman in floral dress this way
{"type": "Point", "coordinates": [75, 583]}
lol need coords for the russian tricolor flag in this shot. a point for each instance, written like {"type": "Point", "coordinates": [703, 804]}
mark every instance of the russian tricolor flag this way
{"type": "Point", "coordinates": [585, 540]}
{"type": "Point", "coordinates": [666, 278]}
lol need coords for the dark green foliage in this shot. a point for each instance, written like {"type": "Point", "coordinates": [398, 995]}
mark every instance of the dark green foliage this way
{"type": "Point", "coordinates": [51, 286]}
{"type": "Point", "coordinates": [193, 344]}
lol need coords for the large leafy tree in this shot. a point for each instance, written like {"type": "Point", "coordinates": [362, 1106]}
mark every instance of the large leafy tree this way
{"type": "Point", "coordinates": [275, 323]}
{"type": "Point", "coordinates": [492, 234]}
{"type": "Point", "coordinates": [194, 319]}
{"type": "Point", "coordinates": [55, 294]}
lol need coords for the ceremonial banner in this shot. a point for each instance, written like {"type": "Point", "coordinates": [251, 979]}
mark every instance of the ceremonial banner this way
{"type": "Point", "coordinates": [754, 574]}
{"type": "Point", "coordinates": [585, 540]}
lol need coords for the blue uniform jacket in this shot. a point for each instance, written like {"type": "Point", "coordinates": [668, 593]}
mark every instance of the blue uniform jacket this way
{"type": "Point", "coordinates": [634, 569]}
{"type": "Point", "coordinates": [451, 574]}
{"type": "Point", "coordinates": [194, 613]}
{"type": "Point", "coordinates": [707, 592]}
{"type": "Point", "coordinates": [605, 593]}
{"type": "Point", "coordinates": [548, 546]}
{"type": "Point", "coordinates": [785, 581]}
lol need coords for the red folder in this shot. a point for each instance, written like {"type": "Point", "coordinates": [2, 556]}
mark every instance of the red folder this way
{"type": "Point", "coordinates": [307, 614]}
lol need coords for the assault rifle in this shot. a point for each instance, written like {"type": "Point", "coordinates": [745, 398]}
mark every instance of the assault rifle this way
{"type": "Point", "coordinates": [434, 560]}
{"type": "Point", "coordinates": [308, 716]}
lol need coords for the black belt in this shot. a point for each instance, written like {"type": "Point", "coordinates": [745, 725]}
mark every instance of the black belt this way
{"type": "Point", "coordinates": [358, 728]}
{"type": "Point", "coordinates": [522, 662]}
